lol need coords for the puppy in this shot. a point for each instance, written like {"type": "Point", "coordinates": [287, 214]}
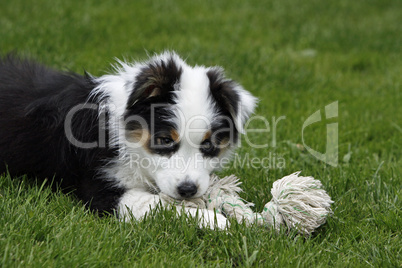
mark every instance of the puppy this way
{"type": "Point", "coordinates": [118, 140]}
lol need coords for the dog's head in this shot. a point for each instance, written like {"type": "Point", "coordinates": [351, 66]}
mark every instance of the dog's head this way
{"type": "Point", "coordinates": [181, 122]}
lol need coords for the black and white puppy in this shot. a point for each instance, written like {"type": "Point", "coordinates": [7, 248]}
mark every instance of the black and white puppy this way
{"type": "Point", "coordinates": [120, 139]}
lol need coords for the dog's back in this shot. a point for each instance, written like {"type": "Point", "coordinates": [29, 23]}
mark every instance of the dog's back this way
{"type": "Point", "coordinates": [33, 103]}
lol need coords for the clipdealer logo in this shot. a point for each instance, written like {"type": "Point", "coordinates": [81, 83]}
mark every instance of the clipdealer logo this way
{"type": "Point", "coordinates": [330, 156]}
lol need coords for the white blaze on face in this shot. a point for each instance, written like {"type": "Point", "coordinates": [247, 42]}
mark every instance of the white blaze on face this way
{"type": "Point", "coordinates": [194, 112]}
{"type": "Point", "coordinates": [194, 104]}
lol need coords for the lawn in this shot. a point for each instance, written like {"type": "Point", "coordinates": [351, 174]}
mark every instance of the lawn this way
{"type": "Point", "coordinates": [298, 57]}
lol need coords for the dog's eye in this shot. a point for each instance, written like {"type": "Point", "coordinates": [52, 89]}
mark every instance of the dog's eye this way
{"type": "Point", "coordinates": [208, 148]}
{"type": "Point", "coordinates": [165, 141]}
{"type": "Point", "coordinates": [207, 145]}
{"type": "Point", "coordinates": [163, 145]}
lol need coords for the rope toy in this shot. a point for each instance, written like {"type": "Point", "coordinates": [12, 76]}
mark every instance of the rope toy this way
{"type": "Point", "coordinates": [297, 203]}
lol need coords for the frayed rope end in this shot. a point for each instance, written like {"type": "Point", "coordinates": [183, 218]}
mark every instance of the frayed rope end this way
{"type": "Point", "coordinates": [298, 202]}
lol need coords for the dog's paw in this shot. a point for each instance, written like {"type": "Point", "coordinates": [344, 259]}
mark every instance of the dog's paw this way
{"type": "Point", "coordinates": [209, 219]}
{"type": "Point", "coordinates": [221, 222]}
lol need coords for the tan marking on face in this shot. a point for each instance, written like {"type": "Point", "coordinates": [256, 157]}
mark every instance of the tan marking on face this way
{"type": "Point", "coordinates": [139, 137]}
{"type": "Point", "coordinates": [174, 135]}
{"type": "Point", "coordinates": [207, 135]}
{"type": "Point", "coordinates": [224, 145]}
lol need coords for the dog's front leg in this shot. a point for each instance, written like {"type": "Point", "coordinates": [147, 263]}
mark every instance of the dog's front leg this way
{"type": "Point", "coordinates": [206, 218]}
{"type": "Point", "coordinates": [137, 202]}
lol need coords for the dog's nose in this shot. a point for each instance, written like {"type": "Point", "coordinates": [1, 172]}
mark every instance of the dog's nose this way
{"type": "Point", "coordinates": [187, 189]}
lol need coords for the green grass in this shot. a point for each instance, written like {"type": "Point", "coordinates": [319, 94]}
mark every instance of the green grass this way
{"type": "Point", "coordinates": [297, 57]}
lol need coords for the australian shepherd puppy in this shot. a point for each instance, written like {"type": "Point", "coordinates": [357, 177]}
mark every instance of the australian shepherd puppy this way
{"type": "Point", "coordinates": [117, 141]}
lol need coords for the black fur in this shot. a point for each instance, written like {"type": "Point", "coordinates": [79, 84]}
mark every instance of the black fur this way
{"type": "Point", "coordinates": [223, 93]}
{"type": "Point", "coordinates": [153, 98]}
{"type": "Point", "coordinates": [156, 80]}
{"type": "Point", "coordinates": [34, 101]}
{"type": "Point", "coordinates": [226, 100]}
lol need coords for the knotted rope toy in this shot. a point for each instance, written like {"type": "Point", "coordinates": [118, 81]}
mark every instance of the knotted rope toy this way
{"type": "Point", "coordinates": [297, 203]}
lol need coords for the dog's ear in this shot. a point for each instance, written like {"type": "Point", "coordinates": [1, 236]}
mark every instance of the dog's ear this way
{"type": "Point", "coordinates": [156, 78]}
{"type": "Point", "coordinates": [231, 97]}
